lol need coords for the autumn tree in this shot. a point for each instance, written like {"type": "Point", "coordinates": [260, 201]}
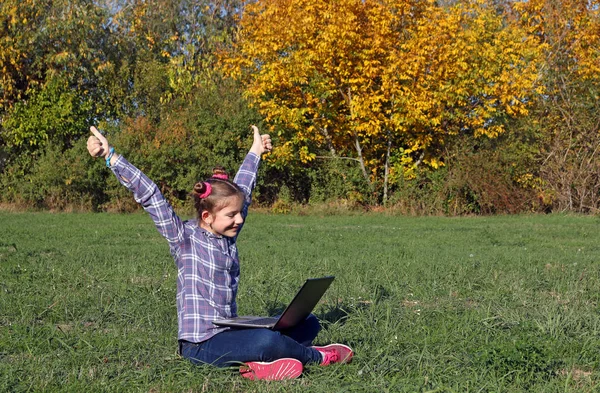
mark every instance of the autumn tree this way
{"type": "Point", "coordinates": [374, 80]}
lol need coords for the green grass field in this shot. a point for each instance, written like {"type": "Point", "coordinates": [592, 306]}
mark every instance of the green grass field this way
{"type": "Point", "coordinates": [482, 304]}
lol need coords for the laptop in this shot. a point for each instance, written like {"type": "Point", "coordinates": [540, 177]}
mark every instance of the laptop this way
{"type": "Point", "coordinates": [301, 306]}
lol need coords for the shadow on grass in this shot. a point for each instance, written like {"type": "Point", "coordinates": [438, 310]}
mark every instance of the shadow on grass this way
{"type": "Point", "coordinates": [333, 314]}
{"type": "Point", "coordinates": [338, 311]}
{"type": "Point", "coordinates": [337, 314]}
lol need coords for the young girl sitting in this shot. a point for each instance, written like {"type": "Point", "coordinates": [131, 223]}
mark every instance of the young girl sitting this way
{"type": "Point", "coordinates": [208, 271]}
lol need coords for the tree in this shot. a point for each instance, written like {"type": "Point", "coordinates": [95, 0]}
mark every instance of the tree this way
{"type": "Point", "coordinates": [49, 51]}
{"type": "Point", "coordinates": [567, 114]}
{"type": "Point", "coordinates": [374, 79]}
{"type": "Point", "coordinates": [142, 70]}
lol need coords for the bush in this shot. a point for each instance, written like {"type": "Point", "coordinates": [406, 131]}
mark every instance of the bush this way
{"type": "Point", "coordinates": [338, 180]}
{"type": "Point", "coordinates": [55, 180]}
{"type": "Point", "coordinates": [483, 183]}
{"type": "Point", "coordinates": [480, 176]}
{"type": "Point", "coordinates": [424, 194]}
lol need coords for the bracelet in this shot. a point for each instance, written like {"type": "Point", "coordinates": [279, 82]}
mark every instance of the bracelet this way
{"type": "Point", "coordinates": [110, 154]}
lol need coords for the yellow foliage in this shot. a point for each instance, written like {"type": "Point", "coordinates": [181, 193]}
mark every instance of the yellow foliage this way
{"type": "Point", "coordinates": [568, 28]}
{"type": "Point", "coordinates": [350, 73]}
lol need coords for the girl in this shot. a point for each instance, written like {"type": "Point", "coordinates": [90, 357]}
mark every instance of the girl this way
{"type": "Point", "coordinates": [206, 256]}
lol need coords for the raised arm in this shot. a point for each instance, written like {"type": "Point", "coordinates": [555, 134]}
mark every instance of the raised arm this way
{"type": "Point", "coordinates": [246, 175]}
{"type": "Point", "coordinates": [145, 192]}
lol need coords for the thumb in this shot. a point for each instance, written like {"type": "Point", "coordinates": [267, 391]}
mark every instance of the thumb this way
{"type": "Point", "coordinates": [100, 137]}
{"type": "Point", "coordinates": [256, 133]}
{"type": "Point", "coordinates": [96, 133]}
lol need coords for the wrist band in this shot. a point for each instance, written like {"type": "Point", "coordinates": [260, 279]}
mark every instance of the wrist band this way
{"type": "Point", "coordinates": [110, 154]}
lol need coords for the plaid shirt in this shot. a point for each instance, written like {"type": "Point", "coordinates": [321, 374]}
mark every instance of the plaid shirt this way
{"type": "Point", "coordinates": [208, 269]}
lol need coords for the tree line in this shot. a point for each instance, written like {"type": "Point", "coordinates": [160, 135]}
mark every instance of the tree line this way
{"type": "Point", "coordinates": [421, 106]}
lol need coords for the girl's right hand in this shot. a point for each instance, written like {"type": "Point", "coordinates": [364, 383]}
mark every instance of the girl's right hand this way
{"type": "Point", "coordinates": [97, 144]}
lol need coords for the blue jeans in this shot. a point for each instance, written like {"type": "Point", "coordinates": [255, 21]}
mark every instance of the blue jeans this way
{"type": "Point", "coordinates": [235, 346]}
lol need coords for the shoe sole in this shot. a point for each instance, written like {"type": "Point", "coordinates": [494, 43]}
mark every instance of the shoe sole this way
{"type": "Point", "coordinates": [277, 370]}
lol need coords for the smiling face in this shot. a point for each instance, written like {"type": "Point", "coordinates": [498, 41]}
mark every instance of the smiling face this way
{"type": "Point", "coordinates": [226, 219]}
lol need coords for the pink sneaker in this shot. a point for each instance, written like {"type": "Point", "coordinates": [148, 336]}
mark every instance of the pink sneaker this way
{"type": "Point", "coordinates": [335, 353]}
{"type": "Point", "coordinates": [277, 370]}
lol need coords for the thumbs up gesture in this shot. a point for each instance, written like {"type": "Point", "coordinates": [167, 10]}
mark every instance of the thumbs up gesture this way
{"type": "Point", "coordinates": [97, 144]}
{"type": "Point", "coordinates": [262, 143]}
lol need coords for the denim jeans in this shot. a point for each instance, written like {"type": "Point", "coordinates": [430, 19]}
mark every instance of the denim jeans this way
{"type": "Point", "coordinates": [235, 346]}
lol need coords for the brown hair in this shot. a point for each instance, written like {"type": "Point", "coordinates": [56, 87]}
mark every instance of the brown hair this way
{"type": "Point", "coordinates": [220, 189]}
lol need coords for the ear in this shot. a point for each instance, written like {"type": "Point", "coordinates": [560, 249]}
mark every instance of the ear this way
{"type": "Point", "coordinates": [207, 217]}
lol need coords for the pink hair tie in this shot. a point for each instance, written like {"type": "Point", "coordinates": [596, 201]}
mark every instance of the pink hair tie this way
{"type": "Point", "coordinates": [207, 192]}
{"type": "Point", "coordinates": [221, 176]}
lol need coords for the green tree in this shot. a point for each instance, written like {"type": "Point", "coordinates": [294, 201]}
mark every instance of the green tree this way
{"type": "Point", "coordinates": [141, 70]}
{"type": "Point", "coordinates": [49, 51]}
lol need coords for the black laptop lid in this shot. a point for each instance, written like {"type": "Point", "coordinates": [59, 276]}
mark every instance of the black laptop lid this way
{"type": "Point", "coordinates": [304, 302]}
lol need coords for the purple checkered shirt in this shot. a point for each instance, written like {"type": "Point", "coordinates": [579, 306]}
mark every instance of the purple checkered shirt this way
{"type": "Point", "coordinates": [208, 269]}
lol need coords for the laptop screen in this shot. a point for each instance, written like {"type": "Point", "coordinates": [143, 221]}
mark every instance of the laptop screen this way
{"type": "Point", "coordinates": [304, 302]}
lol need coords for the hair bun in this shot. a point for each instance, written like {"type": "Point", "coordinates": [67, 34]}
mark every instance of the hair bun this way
{"type": "Point", "coordinates": [200, 188]}
{"type": "Point", "coordinates": [220, 173]}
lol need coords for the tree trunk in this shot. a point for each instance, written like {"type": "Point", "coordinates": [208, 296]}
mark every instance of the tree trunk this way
{"type": "Point", "coordinates": [387, 170]}
{"type": "Point", "coordinates": [361, 160]}
{"type": "Point", "coordinates": [329, 142]}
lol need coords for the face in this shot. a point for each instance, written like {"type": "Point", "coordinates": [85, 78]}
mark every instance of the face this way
{"type": "Point", "coordinates": [225, 221]}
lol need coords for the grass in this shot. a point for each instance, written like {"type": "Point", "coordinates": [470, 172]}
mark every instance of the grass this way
{"type": "Point", "coordinates": [481, 304]}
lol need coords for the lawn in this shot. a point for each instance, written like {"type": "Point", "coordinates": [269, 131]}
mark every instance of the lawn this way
{"type": "Point", "coordinates": [431, 304]}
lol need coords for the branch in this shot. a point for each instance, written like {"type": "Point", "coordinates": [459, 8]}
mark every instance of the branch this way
{"type": "Point", "coordinates": [336, 158]}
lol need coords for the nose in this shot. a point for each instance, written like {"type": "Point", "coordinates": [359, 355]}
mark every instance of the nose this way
{"type": "Point", "coordinates": [239, 220]}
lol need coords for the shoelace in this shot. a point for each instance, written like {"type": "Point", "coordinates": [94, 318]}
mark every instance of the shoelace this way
{"type": "Point", "coordinates": [330, 357]}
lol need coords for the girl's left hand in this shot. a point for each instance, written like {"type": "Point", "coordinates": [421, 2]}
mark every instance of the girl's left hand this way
{"type": "Point", "coordinates": [262, 143]}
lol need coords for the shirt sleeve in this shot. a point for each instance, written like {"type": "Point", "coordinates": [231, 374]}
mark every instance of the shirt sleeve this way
{"type": "Point", "coordinates": [246, 179]}
{"type": "Point", "coordinates": [147, 194]}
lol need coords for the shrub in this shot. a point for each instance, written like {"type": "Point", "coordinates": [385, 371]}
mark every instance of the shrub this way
{"type": "Point", "coordinates": [480, 176]}
{"type": "Point", "coordinates": [55, 179]}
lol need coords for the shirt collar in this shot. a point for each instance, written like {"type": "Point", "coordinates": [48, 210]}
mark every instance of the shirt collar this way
{"type": "Point", "coordinates": [209, 234]}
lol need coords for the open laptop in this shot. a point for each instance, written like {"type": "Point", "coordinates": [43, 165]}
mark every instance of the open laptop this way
{"type": "Point", "coordinates": [301, 306]}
